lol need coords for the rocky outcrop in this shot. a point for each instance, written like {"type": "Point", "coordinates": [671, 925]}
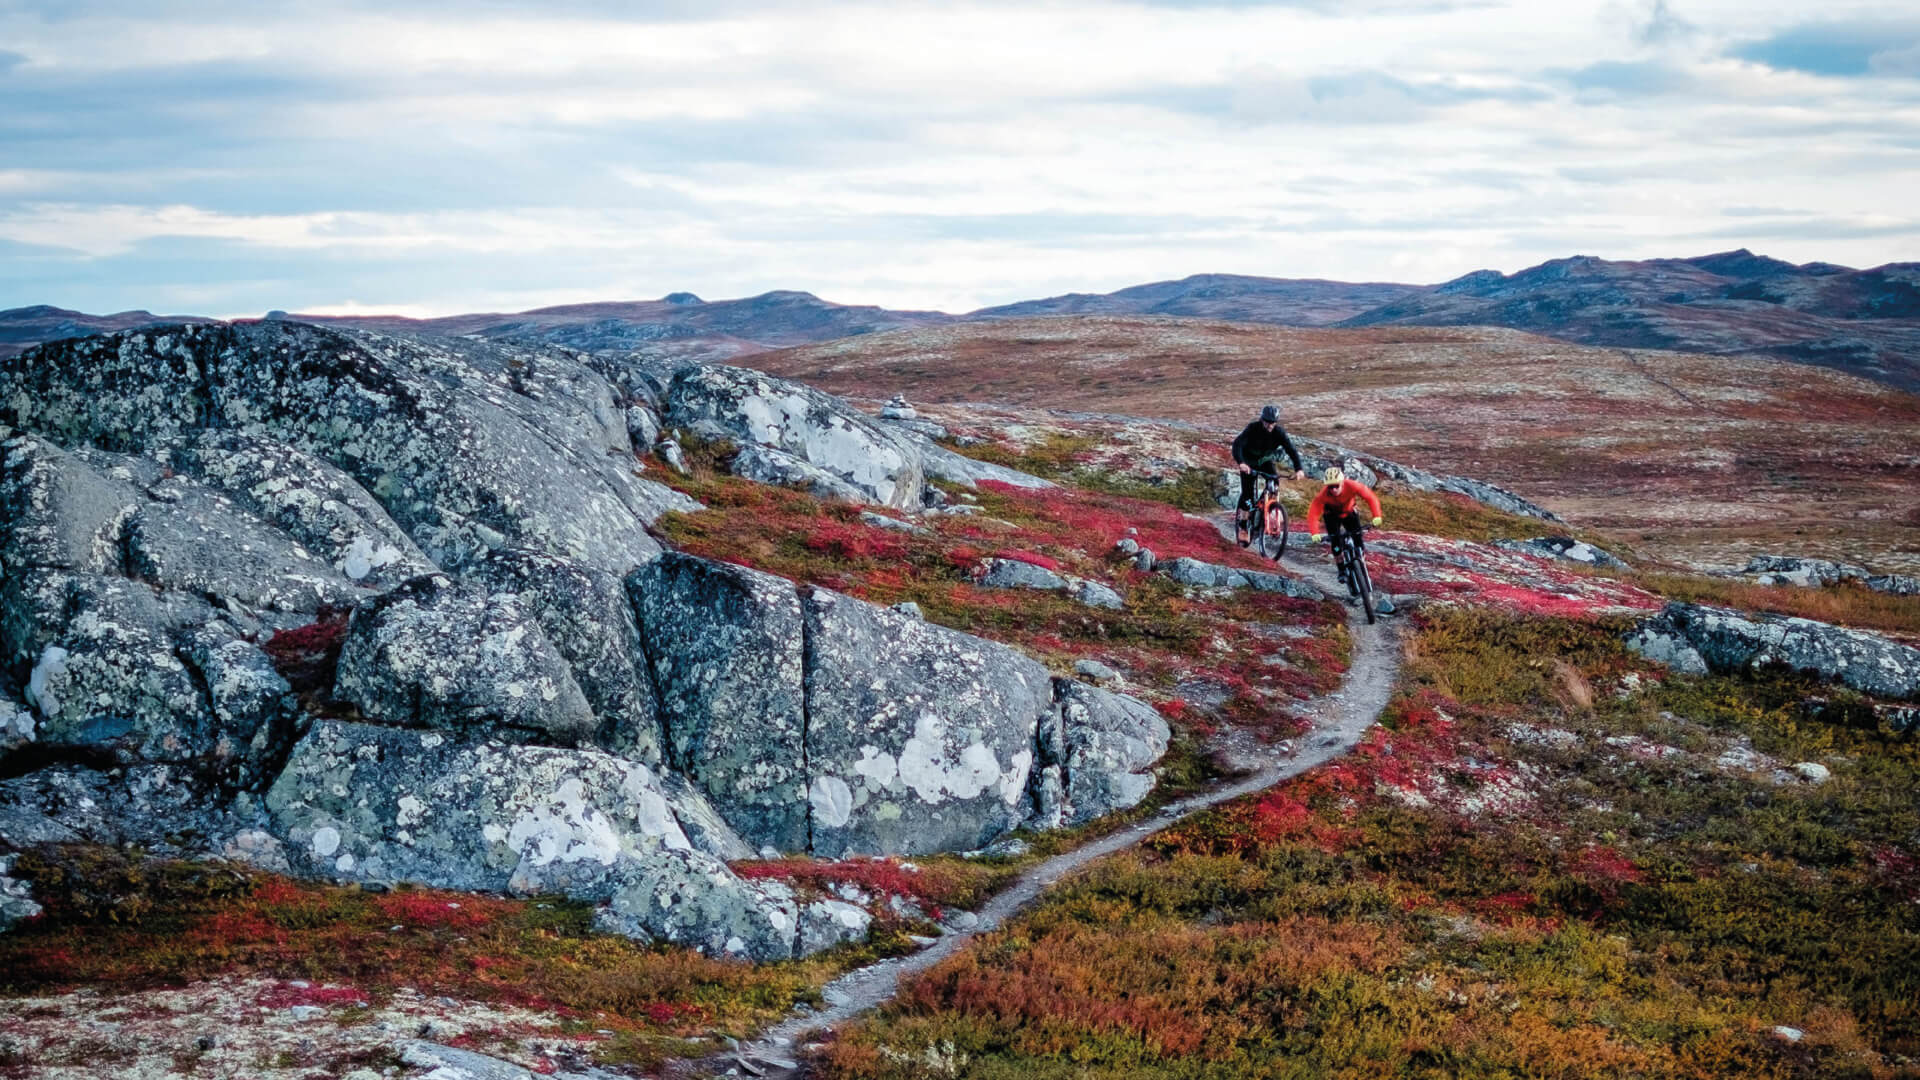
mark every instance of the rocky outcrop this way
{"type": "Point", "coordinates": [1561, 547]}
{"type": "Point", "coordinates": [998, 573]}
{"type": "Point", "coordinates": [1105, 746]}
{"type": "Point", "coordinates": [469, 446]}
{"type": "Point", "coordinates": [727, 652]}
{"type": "Point", "coordinates": [768, 465]}
{"type": "Point", "coordinates": [363, 803]}
{"type": "Point", "coordinates": [454, 536]}
{"type": "Point", "coordinates": [919, 738]}
{"type": "Point", "coordinates": [359, 802]}
{"type": "Point", "coordinates": [1188, 571]}
{"type": "Point", "coordinates": [817, 722]}
{"type": "Point", "coordinates": [1696, 638]}
{"type": "Point", "coordinates": [317, 504]}
{"type": "Point", "coordinates": [435, 654]}
{"type": "Point", "coordinates": [16, 898]}
{"type": "Point", "coordinates": [586, 616]}
{"type": "Point", "coordinates": [688, 899]}
{"type": "Point", "coordinates": [109, 676]}
{"type": "Point", "coordinates": [1816, 573]}
{"type": "Point", "coordinates": [747, 408]}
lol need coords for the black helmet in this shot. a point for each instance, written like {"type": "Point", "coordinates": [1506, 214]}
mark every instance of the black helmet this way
{"type": "Point", "coordinates": [1270, 414]}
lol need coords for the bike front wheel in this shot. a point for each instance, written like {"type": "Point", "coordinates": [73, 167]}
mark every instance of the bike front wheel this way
{"type": "Point", "coordinates": [1273, 531]}
{"type": "Point", "coordinates": [1363, 586]}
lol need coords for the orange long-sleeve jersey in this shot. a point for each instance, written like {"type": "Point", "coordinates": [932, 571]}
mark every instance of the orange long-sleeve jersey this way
{"type": "Point", "coordinates": [1341, 499]}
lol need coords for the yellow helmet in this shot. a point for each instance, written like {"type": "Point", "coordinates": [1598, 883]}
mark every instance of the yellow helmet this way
{"type": "Point", "coordinates": [1333, 475]}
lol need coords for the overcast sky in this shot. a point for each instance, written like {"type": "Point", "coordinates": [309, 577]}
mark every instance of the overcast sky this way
{"type": "Point", "coordinates": [432, 157]}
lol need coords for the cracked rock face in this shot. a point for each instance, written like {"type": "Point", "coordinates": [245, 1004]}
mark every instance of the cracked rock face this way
{"type": "Point", "coordinates": [435, 654]}
{"type": "Point", "coordinates": [358, 802]}
{"type": "Point", "coordinates": [586, 617]}
{"type": "Point", "coordinates": [803, 424]}
{"type": "Point", "coordinates": [110, 675]}
{"type": "Point", "coordinates": [1722, 640]}
{"type": "Point", "coordinates": [57, 512]}
{"type": "Point", "coordinates": [687, 898]}
{"type": "Point", "coordinates": [726, 646]}
{"type": "Point", "coordinates": [469, 446]}
{"type": "Point", "coordinates": [317, 504]}
{"type": "Point", "coordinates": [1107, 745]}
{"type": "Point", "coordinates": [919, 738]}
{"type": "Point", "coordinates": [767, 465]}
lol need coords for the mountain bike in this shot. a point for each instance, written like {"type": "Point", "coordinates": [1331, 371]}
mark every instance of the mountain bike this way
{"type": "Point", "coordinates": [1350, 555]}
{"type": "Point", "coordinates": [1269, 522]}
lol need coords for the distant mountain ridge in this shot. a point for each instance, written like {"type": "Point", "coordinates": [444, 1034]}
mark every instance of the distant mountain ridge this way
{"type": "Point", "coordinates": [1863, 321]}
{"type": "Point", "coordinates": [1232, 297]}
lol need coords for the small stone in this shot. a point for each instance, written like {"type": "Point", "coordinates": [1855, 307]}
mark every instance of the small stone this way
{"type": "Point", "coordinates": [908, 607]}
{"type": "Point", "coordinates": [1018, 574]}
{"type": "Point", "coordinates": [1788, 1034]}
{"type": "Point", "coordinates": [1384, 605]}
{"type": "Point", "coordinates": [1128, 546]}
{"type": "Point", "coordinates": [1094, 594]}
{"type": "Point", "coordinates": [205, 1043]}
{"type": "Point", "coordinates": [1095, 670]}
{"type": "Point", "coordinates": [303, 1013]}
{"type": "Point", "coordinates": [669, 451]}
{"type": "Point", "coordinates": [1812, 772]}
{"type": "Point", "coordinates": [963, 921]}
{"type": "Point", "coordinates": [1144, 561]}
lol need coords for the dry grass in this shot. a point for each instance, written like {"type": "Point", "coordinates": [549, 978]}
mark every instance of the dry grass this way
{"type": "Point", "coordinates": [1659, 447]}
{"type": "Point", "coordinates": [1845, 604]}
{"type": "Point", "coordinates": [1625, 913]}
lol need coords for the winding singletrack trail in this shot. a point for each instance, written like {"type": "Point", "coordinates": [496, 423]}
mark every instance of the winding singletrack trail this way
{"type": "Point", "coordinates": [1344, 716]}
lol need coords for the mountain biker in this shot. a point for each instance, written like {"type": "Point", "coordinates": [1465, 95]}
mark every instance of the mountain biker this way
{"type": "Point", "coordinates": [1257, 447]}
{"type": "Point", "coordinates": [1332, 509]}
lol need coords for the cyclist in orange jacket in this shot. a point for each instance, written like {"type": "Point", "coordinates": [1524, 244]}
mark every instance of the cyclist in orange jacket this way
{"type": "Point", "coordinates": [1332, 510]}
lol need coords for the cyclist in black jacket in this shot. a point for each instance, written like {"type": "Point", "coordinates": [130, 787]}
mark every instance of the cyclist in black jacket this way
{"type": "Point", "coordinates": [1259, 447]}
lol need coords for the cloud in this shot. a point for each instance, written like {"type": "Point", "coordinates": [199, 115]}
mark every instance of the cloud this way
{"type": "Point", "coordinates": [1843, 49]}
{"type": "Point", "coordinates": [1264, 96]}
{"type": "Point", "coordinates": [220, 155]}
{"type": "Point", "coordinates": [1663, 26]}
{"type": "Point", "coordinates": [1633, 78]}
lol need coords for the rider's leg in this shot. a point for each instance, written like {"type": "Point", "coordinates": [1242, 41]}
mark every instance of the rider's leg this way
{"type": "Point", "coordinates": [1330, 524]}
{"type": "Point", "coordinates": [1244, 511]}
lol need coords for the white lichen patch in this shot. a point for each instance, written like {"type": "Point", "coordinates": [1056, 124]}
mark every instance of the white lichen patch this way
{"type": "Point", "coordinates": [47, 674]}
{"type": "Point", "coordinates": [935, 771]}
{"type": "Point", "coordinates": [832, 801]}
{"type": "Point", "coordinates": [568, 828]}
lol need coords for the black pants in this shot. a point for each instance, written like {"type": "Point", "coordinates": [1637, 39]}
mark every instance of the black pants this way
{"type": "Point", "coordinates": [1340, 527]}
{"type": "Point", "coordinates": [1249, 487]}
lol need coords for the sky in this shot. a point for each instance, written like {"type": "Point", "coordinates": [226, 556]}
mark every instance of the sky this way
{"type": "Point", "coordinates": [432, 157]}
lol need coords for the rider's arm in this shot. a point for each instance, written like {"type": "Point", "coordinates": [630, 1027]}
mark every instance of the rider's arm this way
{"type": "Point", "coordinates": [1372, 499]}
{"type": "Point", "coordinates": [1315, 509]}
{"type": "Point", "coordinates": [1292, 454]}
{"type": "Point", "coordinates": [1239, 444]}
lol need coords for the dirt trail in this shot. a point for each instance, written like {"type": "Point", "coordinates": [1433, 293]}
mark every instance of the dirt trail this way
{"type": "Point", "coordinates": [1345, 715]}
